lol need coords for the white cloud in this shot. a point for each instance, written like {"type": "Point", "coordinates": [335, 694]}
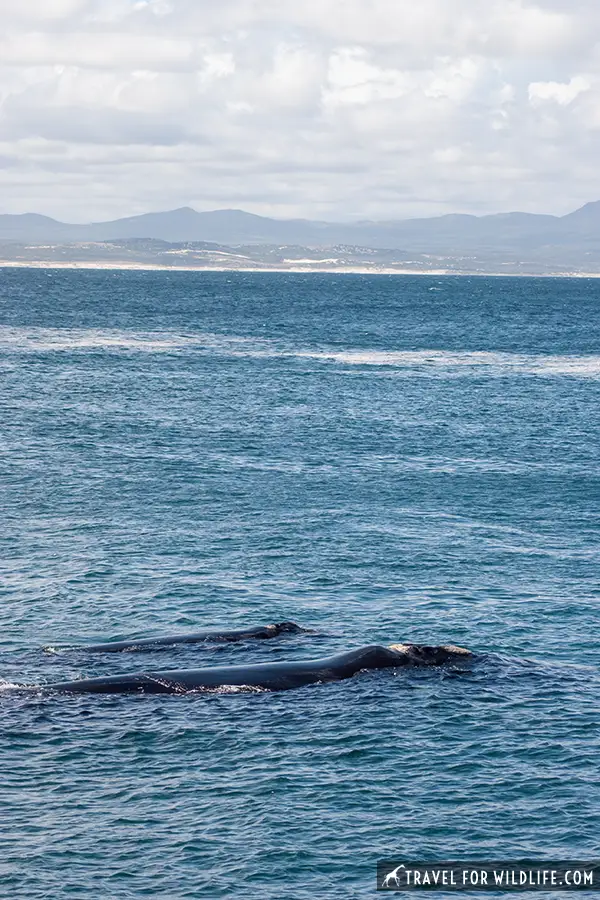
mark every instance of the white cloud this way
{"type": "Point", "coordinates": [454, 80]}
{"type": "Point", "coordinates": [563, 94]}
{"type": "Point", "coordinates": [99, 50]}
{"type": "Point", "coordinates": [448, 155]}
{"type": "Point", "coordinates": [353, 79]}
{"type": "Point", "coordinates": [517, 28]}
{"type": "Point", "coordinates": [38, 10]}
{"type": "Point", "coordinates": [344, 108]}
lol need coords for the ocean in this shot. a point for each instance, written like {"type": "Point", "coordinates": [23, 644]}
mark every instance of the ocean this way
{"type": "Point", "coordinates": [378, 458]}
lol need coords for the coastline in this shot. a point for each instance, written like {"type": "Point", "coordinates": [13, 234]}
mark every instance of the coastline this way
{"type": "Point", "coordinates": [301, 270]}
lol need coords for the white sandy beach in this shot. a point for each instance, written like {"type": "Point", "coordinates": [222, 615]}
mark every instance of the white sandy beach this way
{"type": "Point", "coordinates": [333, 270]}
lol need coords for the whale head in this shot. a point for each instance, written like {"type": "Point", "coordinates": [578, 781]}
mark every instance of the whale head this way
{"type": "Point", "coordinates": [424, 655]}
{"type": "Point", "coordinates": [287, 628]}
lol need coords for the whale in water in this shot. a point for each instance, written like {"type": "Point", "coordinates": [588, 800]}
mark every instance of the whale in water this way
{"type": "Point", "coordinates": [273, 676]}
{"type": "Point", "coordinates": [261, 632]}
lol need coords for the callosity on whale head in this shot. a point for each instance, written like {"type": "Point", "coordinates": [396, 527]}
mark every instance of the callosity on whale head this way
{"type": "Point", "coordinates": [287, 628]}
{"type": "Point", "coordinates": [432, 656]}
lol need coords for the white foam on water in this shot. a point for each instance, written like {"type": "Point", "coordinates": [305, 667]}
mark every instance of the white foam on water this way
{"type": "Point", "coordinates": [485, 361]}
{"type": "Point", "coordinates": [454, 362]}
{"type": "Point", "coordinates": [37, 340]}
{"type": "Point", "coordinates": [576, 366]}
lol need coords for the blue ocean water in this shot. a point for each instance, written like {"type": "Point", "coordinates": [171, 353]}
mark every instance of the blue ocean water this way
{"type": "Point", "coordinates": [380, 458]}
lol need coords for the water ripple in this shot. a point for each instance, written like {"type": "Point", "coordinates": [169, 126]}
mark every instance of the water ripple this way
{"type": "Point", "coordinates": [361, 455]}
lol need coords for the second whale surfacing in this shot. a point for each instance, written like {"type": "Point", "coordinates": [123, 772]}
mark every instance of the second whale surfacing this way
{"type": "Point", "coordinates": [260, 632]}
{"type": "Point", "coordinates": [274, 676]}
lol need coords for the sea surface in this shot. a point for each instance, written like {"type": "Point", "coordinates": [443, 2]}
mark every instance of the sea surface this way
{"type": "Point", "coordinates": [379, 458]}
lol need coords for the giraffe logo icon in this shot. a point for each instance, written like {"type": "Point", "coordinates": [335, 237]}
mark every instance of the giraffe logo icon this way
{"type": "Point", "coordinates": [392, 877]}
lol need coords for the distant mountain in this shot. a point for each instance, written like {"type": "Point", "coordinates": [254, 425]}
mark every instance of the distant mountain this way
{"type": "Point", "coordinates": [31, 227]}
{"type": "Point", "coordinates": [505, 233]}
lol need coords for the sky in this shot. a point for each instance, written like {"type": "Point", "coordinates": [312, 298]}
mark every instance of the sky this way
{"type": "Point", "coordinates": [324, 109]}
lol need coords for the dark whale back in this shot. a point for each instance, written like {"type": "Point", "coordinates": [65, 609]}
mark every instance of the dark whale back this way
{"type": "Point", "coordinates": [275, 676]}
{"type": "Point", "coordinates": [260, 632]}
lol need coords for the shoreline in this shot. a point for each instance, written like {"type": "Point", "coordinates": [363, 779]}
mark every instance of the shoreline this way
{"type": "Point", "coordinates": [299, 270]}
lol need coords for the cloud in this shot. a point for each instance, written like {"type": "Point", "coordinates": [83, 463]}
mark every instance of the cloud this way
{"type": "Point", "coordinates": [337, 109]}
{"type": "Point", "coordinates": [563, 94]}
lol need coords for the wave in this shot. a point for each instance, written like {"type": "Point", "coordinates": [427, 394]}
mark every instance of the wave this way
{"type": "Point", "coordinates": [429, 362]}
{"type": "Point", "coordinates": [9, 685]}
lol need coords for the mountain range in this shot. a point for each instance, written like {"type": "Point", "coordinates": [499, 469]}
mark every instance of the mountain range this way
{"type": "Point", "coordinates": [502, 239]}
{"type": "Point", "coordinates": [449, 233]}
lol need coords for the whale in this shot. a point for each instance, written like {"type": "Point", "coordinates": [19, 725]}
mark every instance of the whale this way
{"type": "Point", "coordinates": [260, 632]}
{"type": "Point", "coordinates": [271, 676]}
